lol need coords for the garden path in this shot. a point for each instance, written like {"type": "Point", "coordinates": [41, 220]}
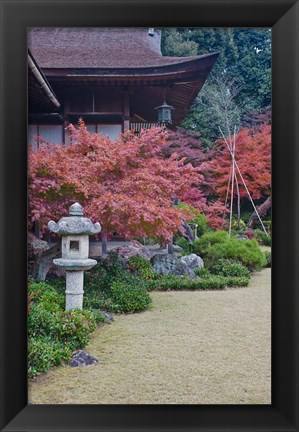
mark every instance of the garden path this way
{"type": "Point", "coordinates": [198, 347]}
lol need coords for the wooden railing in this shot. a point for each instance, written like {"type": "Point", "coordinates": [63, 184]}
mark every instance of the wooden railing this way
{"type": "Point", "coordinates": [137, 126]}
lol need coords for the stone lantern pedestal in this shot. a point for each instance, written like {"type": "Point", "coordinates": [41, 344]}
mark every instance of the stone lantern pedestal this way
{"type": "Point", "coordinates": [75, 231]}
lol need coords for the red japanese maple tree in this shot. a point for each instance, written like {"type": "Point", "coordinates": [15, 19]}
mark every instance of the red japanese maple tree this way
{"type": "Point", "coordinates": [126, 185]}
{"type": "Point", "coordinates": [253, 156]}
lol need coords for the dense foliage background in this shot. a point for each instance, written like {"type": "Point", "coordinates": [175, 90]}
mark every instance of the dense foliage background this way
{"type": "Point", "coordinates": [240, 78]}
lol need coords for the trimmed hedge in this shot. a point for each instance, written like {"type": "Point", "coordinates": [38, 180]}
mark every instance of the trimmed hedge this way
{"type": "Point", "coordinates": [218, 245]}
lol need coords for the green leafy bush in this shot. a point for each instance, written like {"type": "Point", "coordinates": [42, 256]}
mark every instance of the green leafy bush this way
{"type": "Point", "coordinates": [262, 238]}
{"type": "Point", "coordinates": [208, 282]}
{"type": "Point", "coordinates": [142, 267]}
{"type": "Point", "coordinates": [183, 243]}
{"type": "Point", "coordinates": [74, 326]}
{"type": "Point", "coordinates": [202, 245]}
{"type": "Point", "coordinates": [201, 222]}
{"type": "Point", "coordinates": [216, 245]}
{"type": "Point", "coordinates": [237, 281]}
{"type": "Point", "coordinates": [129, 297]}
{"type": "Point", "coordinates": [39, 289]}
{"type": "Point", "coordinates": [202, 272]}
{"type": "Point", "coordinates": [44, 352]}
{"type": "Point", "coordinates": [172, 282]}
{"type": "Point", "coordinates": [266, 240]}
{"type": "Point", "coordinates": [259, 234]}
{"type": "Point", "coordinates": [52, 332]}
{"type": "Point", "coordinates": [226, 267]}
{"type": "Point", "coordinates": [41, 321]}
{"type": "Point", "coordinates": [268, 257]}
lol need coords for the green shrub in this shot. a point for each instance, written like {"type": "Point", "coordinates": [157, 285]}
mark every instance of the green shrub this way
{"type": "Point", "coordinates": [212, 282]}
{"type": "Point", "coordinates": [75, 325]}
{"type": "Point", "coordinates": [43, 353]}
{"type": "Point", "coordinates": [201, 222]}
{"type": "Point", "coordinates": [96, 299]}
{"type": "Point", "coordinates": [142, 267]}
{"type": "Point", "coordinates": [52, 332]}
{"type": "Point", "coordinates": [216, 245]}
{"type": "Point", "coordinates": [38, 289]}
{"type": "Point", "coordinates": [172, 282]}
{"type": "Point", "coordinates": [41, 321]}
{"type": "Point", "coordinates": [226, 267]}
{"type": "Point", "coordinates": [129, 297]}
{"type": "Point", "coordinates": [183, 243]}
{"type": "Point", "coordinates": [266, 240]}
{"type": "Point", "coordinates": [247, 252]}
{"type": "Point", "coordinates": [202, 272]}
{"type": "Point", "coordinates": [237, 281]}
{"type": "Point", "coordinates": [268, 257]}
{"type": "Point", "coordinates": [259, 234]}
{"type": "Point", "coordinates": [202, 245]}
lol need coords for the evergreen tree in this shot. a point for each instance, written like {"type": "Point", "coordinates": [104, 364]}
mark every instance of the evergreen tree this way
{"type": "Point", "coordinates": [243, 66]}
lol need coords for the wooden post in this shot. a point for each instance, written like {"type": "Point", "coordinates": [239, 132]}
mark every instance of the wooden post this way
{"type": "Point", "coordinates": [126, 110]}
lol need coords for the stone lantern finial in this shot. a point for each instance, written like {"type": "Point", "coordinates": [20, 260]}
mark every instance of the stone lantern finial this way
{"type": "Point", "coordinates": [76, 209]}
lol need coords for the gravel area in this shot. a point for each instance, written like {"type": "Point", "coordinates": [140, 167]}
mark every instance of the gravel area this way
{"type": "Point", "coordinates": [210, 347]}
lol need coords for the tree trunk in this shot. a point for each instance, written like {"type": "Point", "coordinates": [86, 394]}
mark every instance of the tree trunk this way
{"type": "Point", "coordinates": [170, 247]}
{"type": "Point", "coordinates": [104, 243]}
{"type": "Point", "coordinates": [262, 211]}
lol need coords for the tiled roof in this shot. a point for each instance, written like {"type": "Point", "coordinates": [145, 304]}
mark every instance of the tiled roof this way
{"type": "Point", "coordinates": [99, 48]}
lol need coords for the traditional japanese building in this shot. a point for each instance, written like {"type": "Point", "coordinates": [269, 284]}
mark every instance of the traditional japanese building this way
{"type": "Point", "coordinates": [113, 78]}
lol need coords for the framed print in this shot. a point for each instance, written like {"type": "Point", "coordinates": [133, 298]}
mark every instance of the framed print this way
{"type": "Point", "coordinates": [281, 413]}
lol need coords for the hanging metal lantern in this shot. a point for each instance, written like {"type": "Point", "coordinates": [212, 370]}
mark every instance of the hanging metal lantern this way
{"type": "Point", "coordinates": [164, 113]}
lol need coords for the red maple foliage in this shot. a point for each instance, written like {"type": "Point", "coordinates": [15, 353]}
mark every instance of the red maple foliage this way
{"type": "Point", "coordinates": [187, 145]}
{"type": "Point", "coordinates": [253, 156]}
{"type": "Point", "coordinates": [126, 185]}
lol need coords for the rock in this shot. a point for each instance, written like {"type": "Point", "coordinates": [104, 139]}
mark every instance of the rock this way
{"type": "Point", "coordinates": [166, 264]}
{"type": "Point", "coordinates": [108, 317]}
{"type": "Point", "coordinates": [242, 236]}
{"type": "Point", "coordinates": [81, 358]}
{"type": "Point", "coordinates": [177, 249]}
{"type": "Point", "coordinates": [133, 248]}
{"type": "Point", "coordinates": [36, 248]}
{"type": "Point", "coordinates": [44, 263]}
{"type": "Point", "coordinates": [192, 261]}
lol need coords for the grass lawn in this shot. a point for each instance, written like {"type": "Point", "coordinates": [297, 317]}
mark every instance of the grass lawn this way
{"type": "Point", "coordinates": [211, 347]}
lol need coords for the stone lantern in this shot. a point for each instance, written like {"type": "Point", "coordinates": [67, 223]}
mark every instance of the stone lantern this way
{"type": "Point", "coordinates": [75, 231]}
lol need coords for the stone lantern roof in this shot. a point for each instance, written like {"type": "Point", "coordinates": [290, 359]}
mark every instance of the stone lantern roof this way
{"type": "Point", "coordinates": [75, 223]}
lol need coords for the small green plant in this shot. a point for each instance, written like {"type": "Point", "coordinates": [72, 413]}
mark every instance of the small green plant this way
{"type": "Point", "coordinates": [202, 272]}
{"type": "Point", "coordinates": [129, 297]}
{"type": "Point", "coordinates": [268, 258]}
{"type": "Point", "coordinates": [227, 267]}
{"type": "Point", "coordinates": [183, 243]}
{"type": "Point", "coordinates": [266, 240]}
{"type": "Point", "coordinates": [202, 245]}
{"type": "Point", "coordinates": [52, 332]}
{"type": "Point", "coordinates": [216, 245]}
{"type": "Point", "coordinates": [237, 281]}
{"type": "Point", "coordinates": [142, 267]}
{"type": "Point", "coordinates": [172, 282]}
{"type": "Point", "coordinates": [43, 353]}
{"type": "Point", "coordinates": [75, 325]}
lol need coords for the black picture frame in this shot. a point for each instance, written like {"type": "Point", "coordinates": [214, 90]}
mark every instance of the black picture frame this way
{"type": "Point", "coordinates": [282, 17]}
